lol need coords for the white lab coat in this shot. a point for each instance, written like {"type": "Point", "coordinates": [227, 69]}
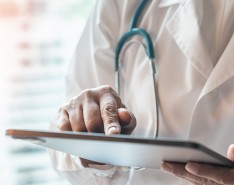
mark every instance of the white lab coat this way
{"type": "Point", "coordinates": [195, 78]}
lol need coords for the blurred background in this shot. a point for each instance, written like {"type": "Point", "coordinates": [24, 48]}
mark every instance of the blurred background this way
{"type": "Point", "coordinates": [37, 39]}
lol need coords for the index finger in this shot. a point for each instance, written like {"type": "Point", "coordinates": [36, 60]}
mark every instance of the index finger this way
{"type": "Point", "coordinates": [109, 113]}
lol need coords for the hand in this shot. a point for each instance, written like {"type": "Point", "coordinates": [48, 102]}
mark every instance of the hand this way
{"type": "Point", "coordinates": [96, 110]}
{"type": "Point", "coordinates": [200, 174]}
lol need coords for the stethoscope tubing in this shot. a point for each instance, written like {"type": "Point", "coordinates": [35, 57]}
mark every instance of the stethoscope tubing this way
{"type": "Point", "coordinates": [135, 31]}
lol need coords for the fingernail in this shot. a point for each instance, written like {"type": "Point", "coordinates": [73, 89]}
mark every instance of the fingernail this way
{"type": "Point", "coordinates": [113, 130]}
{"type": "Point", "coordinates": [192, 168]}
{"type": "Point", "coordinates": [122, 109]}
{"type": "Point", "coordinates": [167, 168]}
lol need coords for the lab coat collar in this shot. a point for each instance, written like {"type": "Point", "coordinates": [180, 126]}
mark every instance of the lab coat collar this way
{"type": "Point", "coordinates": [166, 3]}
{"type": "Point", "coordinates": [184, 27]}
{"type": "Point", "coordinates": [223, 70]}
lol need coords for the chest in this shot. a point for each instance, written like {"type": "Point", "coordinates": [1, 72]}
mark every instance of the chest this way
{"type": "Point", "coordinates": [194, 55]}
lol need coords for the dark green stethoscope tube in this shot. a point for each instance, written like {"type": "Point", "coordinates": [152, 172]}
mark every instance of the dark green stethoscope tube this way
{"type": "Point", "coordinates": [135, 31]}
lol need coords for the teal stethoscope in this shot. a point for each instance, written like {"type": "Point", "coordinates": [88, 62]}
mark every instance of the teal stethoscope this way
{"type": "Point", "coordinates": [134, 30]}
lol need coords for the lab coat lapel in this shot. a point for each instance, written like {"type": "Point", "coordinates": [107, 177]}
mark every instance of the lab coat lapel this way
{"type": "Point", "coordinates": [185, 29]}
{"type": "Point", "coordinates": [166, 3]}
{"type": "Point", "coordinates": [212, 117]}
{"type": "Point", "coordinates": [223, 70]}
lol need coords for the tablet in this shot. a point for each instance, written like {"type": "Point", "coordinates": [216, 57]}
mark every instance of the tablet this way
{"type": "Point", "coordinates": [122, 150]}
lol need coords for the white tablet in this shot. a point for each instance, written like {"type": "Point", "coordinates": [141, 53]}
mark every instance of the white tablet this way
{"type": "Point", "coordinates": [122, 150]}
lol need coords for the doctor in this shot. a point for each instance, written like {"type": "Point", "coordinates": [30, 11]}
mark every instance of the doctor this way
{"type": "Point", "coordinates": [193, 42]}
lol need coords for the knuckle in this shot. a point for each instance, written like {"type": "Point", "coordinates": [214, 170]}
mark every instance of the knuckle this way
{"type": "Point", "coordinates": [77, 101]}
{"type": "Point", "coordinates": [84, 96]}
{"type": "Point", "coordinates": [74, 103]}
{"type": "Point", "coordinates": [109, 113]}
{"type": "Point", "coordinates": [62, 110]}
{"type": "Point", "coordinates": [109, 94]}
{"type": "Point", "coordinates": [107, 88]}
{"type": "Point", "coordinates": [110, 119]}
{"type": "Point", "coordinates": [109, 109]}
{"type": "Point", "coordinates": [87, 93]}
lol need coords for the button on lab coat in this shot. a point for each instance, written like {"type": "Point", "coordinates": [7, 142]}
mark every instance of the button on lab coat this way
{"type": "Point", "coordinates": [195, 83]}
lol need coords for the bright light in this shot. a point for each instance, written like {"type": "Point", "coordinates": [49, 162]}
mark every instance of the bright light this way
{"type": "Point", "coordinates": [36, 43]}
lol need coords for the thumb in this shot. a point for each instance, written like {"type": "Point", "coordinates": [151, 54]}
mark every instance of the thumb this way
{"type": "Point", "coordinates": [127, 121]}
{"type": "Point", "coordinates": [124, 116]}
{"type": "Point", "coordinates": [230, 152]}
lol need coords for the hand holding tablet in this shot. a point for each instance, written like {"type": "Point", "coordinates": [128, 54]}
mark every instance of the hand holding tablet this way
{"type": "Point", "coordinates": [123, 150]}
{"type": "Point", "coordinates": [198, 173]}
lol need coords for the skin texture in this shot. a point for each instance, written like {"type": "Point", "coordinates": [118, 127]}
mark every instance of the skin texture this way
{"type": "Point", "coordinates": [97, 110]}
{"type": "Point", "coordinates": [201, 174]}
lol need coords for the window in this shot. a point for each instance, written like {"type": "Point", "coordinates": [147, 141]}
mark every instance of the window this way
{"type": "Point", "coordinates": [37, 39]}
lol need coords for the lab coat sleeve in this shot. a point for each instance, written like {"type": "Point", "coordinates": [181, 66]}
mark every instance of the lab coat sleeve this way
{"type": "Point", "coordinates": [92, 65]}
{"type": "Point", "coordinates": [70, 167]}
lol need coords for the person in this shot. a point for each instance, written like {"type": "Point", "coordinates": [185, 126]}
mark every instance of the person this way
{"type": "Point", "coordinates": [193, 43]}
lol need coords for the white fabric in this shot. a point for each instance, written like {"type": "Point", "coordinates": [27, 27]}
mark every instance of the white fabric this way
{"type": "Point", "coordinates": [194, 44]}
{"type": "Point", "coordinates": [220, 31]}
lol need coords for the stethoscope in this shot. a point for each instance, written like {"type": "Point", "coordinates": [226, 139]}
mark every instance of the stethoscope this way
{"type": "Point", "coordinates": [134, 30]}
